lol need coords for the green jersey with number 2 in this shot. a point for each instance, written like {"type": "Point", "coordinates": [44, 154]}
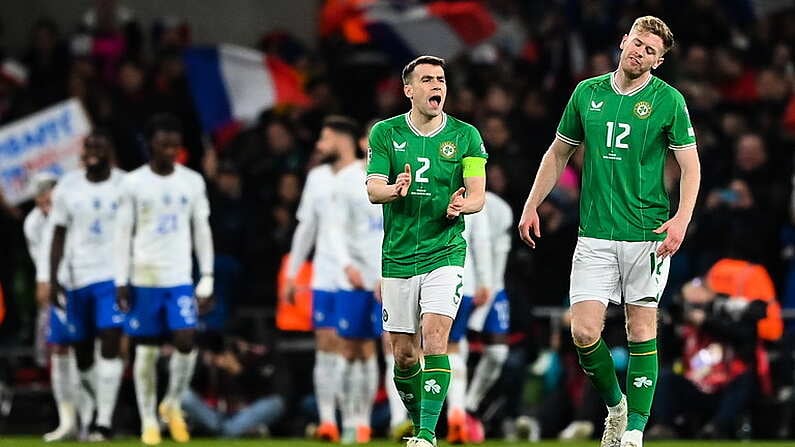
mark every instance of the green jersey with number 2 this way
{"type": "Point", "coordinates": [418, 237]}
{"type": "Point", "coordinates": [626, 138]}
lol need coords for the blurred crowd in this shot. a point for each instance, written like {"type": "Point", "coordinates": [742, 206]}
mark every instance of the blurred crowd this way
{"type": "Point", "coordinates": [733, 61]}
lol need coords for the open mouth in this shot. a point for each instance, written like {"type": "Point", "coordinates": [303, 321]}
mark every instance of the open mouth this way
{"type": "Point", "coordinates": [435, 100]}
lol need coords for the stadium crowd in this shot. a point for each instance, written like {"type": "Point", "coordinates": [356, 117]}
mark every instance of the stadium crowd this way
{"type": "Point", "coordinates": [734, 64]}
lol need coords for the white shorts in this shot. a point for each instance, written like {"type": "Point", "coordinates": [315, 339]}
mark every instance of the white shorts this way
{"type": "Point", "coordinates": [618, 272]}
{"type": "Point", "coordinates": [405, 300]}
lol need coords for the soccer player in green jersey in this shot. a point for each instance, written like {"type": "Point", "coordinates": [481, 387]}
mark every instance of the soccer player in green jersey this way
{"type": "Point", "coordinates": [626, 121]}
{"type": "Point", "coordinates": [428, 169]}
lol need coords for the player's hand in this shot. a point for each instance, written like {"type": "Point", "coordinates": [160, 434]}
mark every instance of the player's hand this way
{"type": "Point", "coordinates": [205, 304]}
{"type": "Point", "coordinates": [354, 277]}
{"type": "Point", "coordinates": [44, 294]}
{"type": "Point", "coordinates": [527, 224]}
{"type": "Point", "coordinates": [456, 204]}
{"type": "Point", "coordinates": [288, 292]}
{"type": "Point", "coordinates": [123, 298]}
{"type": "Point", "coordinates": [675, 229]}
{"type": "Point", "coordinates": [403, 181]}
{"type": "Point", "coordinates": [377, 291]}
{"type": "Point", "coordinates": [481, 296]}
{"type": "Point", "coordinates": [204, 289]}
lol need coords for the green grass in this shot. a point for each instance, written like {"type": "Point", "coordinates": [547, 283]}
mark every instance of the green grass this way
{"type": "Point", "coordinates": [25, 441]}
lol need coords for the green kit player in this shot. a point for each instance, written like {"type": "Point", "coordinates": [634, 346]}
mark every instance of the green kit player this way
{"type": "Point", "coordinates": [627, 122]}
{"type": "Point", "coordinates": [428, 169]}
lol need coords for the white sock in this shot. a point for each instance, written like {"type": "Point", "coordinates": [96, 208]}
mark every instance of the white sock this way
{"type": "Point", "coordinates": [108, 380]}
{"type": "Point", "coordinates": [358, 394]}
{"type": "Point", "coordinates": [397, 411]}
{"type": "Point", "coordinates": [348, 403]}
{"type": "Point", "coordinates": [456, 393]}
{"type": "Point", "coordinates": [63, 389]}
{"type": "Point", "coordinates": [180, 373]}
{"type": "Point", "coordinates": [486, 373]}
{"type": "Point", "coordinates": [145, 378]}
{"type": "Point", "coordinates": [327, 384]}
{"type": "Point", "coordinates": [87, 397]}
{"type": "Point", "coordinates": [370, 389]}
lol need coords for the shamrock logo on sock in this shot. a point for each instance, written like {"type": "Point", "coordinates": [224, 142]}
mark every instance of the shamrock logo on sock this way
{"type": "Point", "coordinates": [642, 381]}
{"type": "Point", "coordinates": [405, 396]}
{"type": "Point", "coordinates": [432, 387]}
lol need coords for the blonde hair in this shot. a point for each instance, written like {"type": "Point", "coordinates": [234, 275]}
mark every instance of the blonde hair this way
{"type": "Point", "coordinates": [657, 27]}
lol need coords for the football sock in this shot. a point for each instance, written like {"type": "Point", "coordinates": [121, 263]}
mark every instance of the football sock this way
{"type": "Point", "coordinates": [409, 385]}
{"type": "Point", "coordinates": [597, 363]}
{"type": "Point", "coordinates": [397, 412]}
{"type": "Point", "coordinates": [326, 388]}
{"type": "Point", "coordinates": [486, 373]}
{"type": "Point", "coordinates": [180, 372]}
{"type": "Point", "coordinates": [435, 381]}
{"type": "Point", "coordinates": [458, 383]}
{"type": "Point", "coordinates": [109, 373]}
{"type": "Point", "coordinates": [641, 382]}
{"type": "Point", "coordinates": [63, 389]}
{"type": "Point", "coordinates": [370, 389]}
{"type": "Point", "coordinates": [145, 378]}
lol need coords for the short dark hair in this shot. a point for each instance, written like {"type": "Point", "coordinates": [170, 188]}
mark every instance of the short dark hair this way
{"type": "Point", "coordinates": [430, 60]}
{"type": "Point", "coordinates": [162, 122]}
{"type": "Point", "coordinates": [344, 125]}
{"type": "Point", "coordinates": [102, 132]}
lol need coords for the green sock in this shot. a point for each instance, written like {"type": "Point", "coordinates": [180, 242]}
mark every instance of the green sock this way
{"type": "Point", "coordinates": [435, 381]}
{"type": "Point", "coordinates": [598, 365]}
{"type": "Point", "coordinates": [641, 382]}
{"type": "Point", "coordinates": [409, 385]}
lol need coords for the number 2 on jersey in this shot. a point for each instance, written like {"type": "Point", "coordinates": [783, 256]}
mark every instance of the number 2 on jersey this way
{"type": "Point", "coordinates": [426, 164]}
{"type": "Point", "coordinates": [619, 141]}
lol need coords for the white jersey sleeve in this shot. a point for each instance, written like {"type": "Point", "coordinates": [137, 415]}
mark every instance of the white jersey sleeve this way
{"type": "Point", "coordinates": [306, 230]}
{"type": "Point", "coordinates": [125, 223]}
{"type": "Point", "coordinates": [202, 235]}
{"type": "Point", "coordinates": [38, 235]}
{"type": "Point", "coordinates": [500, 221]}
{"type": "Point", "coordinates": [479, 251]}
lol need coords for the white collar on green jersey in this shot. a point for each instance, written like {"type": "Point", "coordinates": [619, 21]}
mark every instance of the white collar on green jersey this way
{"type": "Point", "coordinates": [432, 133]}
{"type": "Point", "coordinates": [631, 92]}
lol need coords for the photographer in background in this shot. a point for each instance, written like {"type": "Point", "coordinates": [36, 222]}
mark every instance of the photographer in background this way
{"type": "Point", "coordinates": [721, 322]}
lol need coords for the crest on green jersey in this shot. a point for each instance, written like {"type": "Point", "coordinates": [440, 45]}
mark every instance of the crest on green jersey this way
{"type": "Point", "coordinates": [447, 149]}
{"type": "Point", "coordinates": [642, 110]}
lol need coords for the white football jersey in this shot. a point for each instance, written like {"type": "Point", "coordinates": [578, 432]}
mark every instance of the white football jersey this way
{"type": "Point", "coordinates": [358, 225]}
{"type": "Point", "coordinates": [488, 236]}
{"type": "Point", "coordinates": [163, 209]}
{"type": "Point", "coordinates": [38, 234]}
{"type": "Point", "coordinates": [312, 215]}
{"type": "Point", "coordinates": [88, 210]}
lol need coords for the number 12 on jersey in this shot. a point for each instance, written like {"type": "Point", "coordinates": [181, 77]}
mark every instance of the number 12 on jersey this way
{"type": "Point", "coordinates": [623, 128]}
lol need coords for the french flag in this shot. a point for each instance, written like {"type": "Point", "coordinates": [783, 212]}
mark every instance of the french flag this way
{"type": "Point", "coordinates": [442, 29]}
{"type": "Point", "coordinates": [232, 85]}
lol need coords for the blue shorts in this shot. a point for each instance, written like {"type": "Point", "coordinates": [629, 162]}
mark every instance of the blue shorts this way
{"type": "Point", "coordinates": [358, 314]}
{"type": "Point", "coordinates": [157, 310]}
{"type": "Point", "coordinates": [87, 309]}
{"type": "Point", "coordinates": [459, 328]}
{"type": "Point", "coordinates": [323, 309]}
{"type": "Point", "coordinates": [499, 319]}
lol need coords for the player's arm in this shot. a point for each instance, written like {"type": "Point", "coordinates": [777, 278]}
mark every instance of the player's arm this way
{"type": "Point", "coordinates": [338, 219]}
{"type": "Point", "coordinates": [470, 198]}
{"type": "Point", "coordinates": [378, 169]}
{"type": "Point", "coordinates": [59, 218]}
{"type": "Point", "coordinates": [203, 242]}
{"type": "Point", "coordinates": [303, 237]}
{"type": "Point", "coordinates": [480, 235]}
{"type": "Point", "coordinates": [124, 224]}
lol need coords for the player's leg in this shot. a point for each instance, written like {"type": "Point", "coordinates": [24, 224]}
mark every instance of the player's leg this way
{"type": "Point", "coordinates": [328, 363]}
{"type": "Point", "coordinates": [644, 279]}
{"type": "Point", "coordinates": [79, 310]}
{"type": "Point", "coordinates": [399, 424]}
{"type": "Point", "coordinates": [63, 389]}
{"type": "Point", "coordinates": [144, 325]}
{"type": "Point", "coordinates": [489, 367]}
{"type": "Point", "coordinates": [351, 313]}
{"type": "Point", "coordinates": [439, 300]}
{"type": "Point", "coordinates": [108, 320]}
{"type": "Point", "coordinates": [181, 316]}
{"type": "Point", "coordinates": [595, 281]}
{"type": "Point", "coordinates": [457, 352]}
{"type": "Point", "coordinates": [400, 301]}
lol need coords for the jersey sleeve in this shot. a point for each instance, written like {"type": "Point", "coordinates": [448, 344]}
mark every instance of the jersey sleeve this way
{"type": "Point", "coordinates": [570, 130]}
{"type": "Point", "coordinates": [680, 133]}
{"type": "Point", "coordinates": [378, 154]}
{"type": "Point", "coordinates": [475, 155]}
{"type": "Point", "coordinates": [125, 219]}
{"type": "Point", "coordinates": [59, 214]}
{"type": "Point", "coordinates": [202, 234]}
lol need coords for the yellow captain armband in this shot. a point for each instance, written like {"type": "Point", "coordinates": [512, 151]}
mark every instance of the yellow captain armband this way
{"type": "Point", "coordinates": [474, 167]}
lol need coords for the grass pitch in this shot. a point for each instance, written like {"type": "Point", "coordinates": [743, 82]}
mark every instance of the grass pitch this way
{"type": "Point", "coordinates": [27, 441]}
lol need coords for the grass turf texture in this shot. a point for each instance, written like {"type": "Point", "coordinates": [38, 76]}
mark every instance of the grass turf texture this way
{"type": "Point", "coordinates": [20, 441]}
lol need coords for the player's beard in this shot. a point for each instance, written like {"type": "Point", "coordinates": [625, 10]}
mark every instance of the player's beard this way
{"type": "Point", "coordinates": [329, 158]}
{"type": "Point", "coordinates": [98, 168]}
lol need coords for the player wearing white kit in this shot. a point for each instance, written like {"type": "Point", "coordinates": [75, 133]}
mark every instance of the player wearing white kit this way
{"type": "Point", "coordinates": [69, 395]}
{"type": "Point", "coordinates": [85, 205]}
{"type": "Point", "coordinates": [313, 231]}
{"type": "Point", "coordinates": [162, 205]}
{"type": "Point", "coordinates": [358, 231]}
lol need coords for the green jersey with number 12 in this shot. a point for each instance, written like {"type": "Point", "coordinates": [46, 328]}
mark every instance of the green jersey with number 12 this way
{"type": "Point", "coordinates": [418, 237]}
{"type": "Point", "coordinates": [626, 138]}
